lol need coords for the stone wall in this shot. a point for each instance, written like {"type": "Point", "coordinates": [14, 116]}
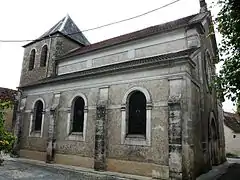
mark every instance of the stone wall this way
{"type": "Point", "coordinates": [205, 106]}
{"type": "Point", "coordinates": [149, 160]}
{"type": "Point", "coordinates": [159, 44]}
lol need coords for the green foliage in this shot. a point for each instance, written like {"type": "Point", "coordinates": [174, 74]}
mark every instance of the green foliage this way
{"type": "Point", "coordinates": [228, 25]}
{"type": "Point", "coordinates": [231, 155]}
{"type": "Point", "coordinates": [6, 138]}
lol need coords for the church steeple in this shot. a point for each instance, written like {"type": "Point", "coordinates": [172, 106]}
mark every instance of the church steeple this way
{"type": "Point", "coordinates": [203, 6]}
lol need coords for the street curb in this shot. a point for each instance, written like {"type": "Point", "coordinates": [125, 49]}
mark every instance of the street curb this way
{"type": "Point", "coordinates": [104, 175]}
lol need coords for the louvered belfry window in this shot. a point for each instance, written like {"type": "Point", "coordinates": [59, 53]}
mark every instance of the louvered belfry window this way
{"type": "Point", "coordinates": [32, 59]}
{"type": "Point", "coordinates": [43, 60]}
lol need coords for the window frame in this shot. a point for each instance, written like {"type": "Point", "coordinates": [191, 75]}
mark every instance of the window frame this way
{"type": "Point", "coordinates": [32, 131]}
{"type": "Point", "coordinates": [129, 103]}
{"type": "Point", "coordinates": [76, 136]}
{"type": "Point", "coordinates": [136, 139]}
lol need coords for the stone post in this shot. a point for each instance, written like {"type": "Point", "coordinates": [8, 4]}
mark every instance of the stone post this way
{"type": "Point", "coordinates": [100, 131]}
{"type": "Point", "coordinates": [51, 129]}
{"type": "Point", "coordinates": [18, 124]}
{"type": "Point", "coordinates": [175, 138]}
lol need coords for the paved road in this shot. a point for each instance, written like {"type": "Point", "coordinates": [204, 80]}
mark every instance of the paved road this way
{"type": "Point", "coordinates": [24, 171]}
{"type": "Point", "coordinates": [18, 170]}
{"type": "Point", "coordinates": [233, 173]}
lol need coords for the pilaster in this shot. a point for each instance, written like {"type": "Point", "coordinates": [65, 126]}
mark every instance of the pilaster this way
{"type": "Point", "coordinates": [51, 129]}
{"type": "Point", "coordinates": [101, 131]}
{"type": "Point", "coordinates": [175, 128]}
{"type": "Point", "coordinates": [18, 123]}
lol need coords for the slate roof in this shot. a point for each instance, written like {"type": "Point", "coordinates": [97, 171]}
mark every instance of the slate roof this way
{"type": "Point", "coordinates": [7, 94]}
{"type": "Point", "coordinates": [142, 62]}
{"type": "Point", "coordinates": [67, 27]}
{"type": "Point", "coordinates": [232, 121]}
{"type": "Point", "coordinates": [153, 30]}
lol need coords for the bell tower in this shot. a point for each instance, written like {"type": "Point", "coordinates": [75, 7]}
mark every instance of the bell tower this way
{"type": "Point", "coordinates": [40, 54]}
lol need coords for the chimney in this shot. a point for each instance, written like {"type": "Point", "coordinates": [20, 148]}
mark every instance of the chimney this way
{"type": "Point", "coordinates": [203, 6]}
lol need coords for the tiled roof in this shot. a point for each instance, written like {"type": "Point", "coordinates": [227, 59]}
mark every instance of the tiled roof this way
{"type": "Point", "coordinates": [67, 27]}
{"type": "Point", "coordinates": [232, 121]}
{"type": "Point", "coordinates": [183, 22]}
{"type": "Point", "coordinates": [7, 94]}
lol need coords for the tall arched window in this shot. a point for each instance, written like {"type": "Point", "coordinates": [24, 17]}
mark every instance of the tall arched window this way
{"type": "Point", "coordinates": [78, 114]}
{"type": "Point", "coordinates": [32, 59]}
{"type": "Point", "coordinates": [43, 60]}
{"type": "Point", "coordinates": [38, 114]}
{"type": "Point", "coordinates": [136, 110]}
{"type": "Point", "coordinates": [137, 114]}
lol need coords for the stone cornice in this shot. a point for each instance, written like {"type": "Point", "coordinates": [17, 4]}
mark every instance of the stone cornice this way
{"type": "Point", "coordinates": [143, 63]}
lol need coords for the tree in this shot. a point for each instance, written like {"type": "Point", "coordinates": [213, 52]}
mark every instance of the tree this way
{"type": "Point", "coordinates": [228, 25]}
{"type": "Point", "coordinates": [6, 138]}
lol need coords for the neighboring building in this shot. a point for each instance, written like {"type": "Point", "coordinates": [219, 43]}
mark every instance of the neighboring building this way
{"type": "Point", "coordinates": [8, 94]}
{"type": "Point", "coordinates": [232, 133]}
{"type": "Point", "coordinates": [140, 103]}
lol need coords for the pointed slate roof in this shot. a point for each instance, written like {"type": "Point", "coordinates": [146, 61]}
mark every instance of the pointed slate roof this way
{"type": "Point", "coordinates": [68, 28]}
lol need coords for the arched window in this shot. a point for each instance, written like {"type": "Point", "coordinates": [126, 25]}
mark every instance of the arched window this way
{"type": "Point", "coordinates": [77, 114]}
{"type": "Point", "coordinates": [38, 114]}
{"type": "Point", "coordinates": [136, 114]}
{"type": "Point", "coordinates": [32, 59]}
{"type": "Point", "coordinates": [43, 60]}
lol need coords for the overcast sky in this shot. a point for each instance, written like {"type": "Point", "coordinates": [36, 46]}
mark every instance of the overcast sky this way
{"type": "Point", "coordinates": [28, 19]}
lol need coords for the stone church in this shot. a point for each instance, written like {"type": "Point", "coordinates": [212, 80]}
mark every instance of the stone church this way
{"type": "Point", "coordinates": [141, 103]}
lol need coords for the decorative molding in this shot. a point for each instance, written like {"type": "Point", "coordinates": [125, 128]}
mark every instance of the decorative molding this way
{"type": "Point", "coordinates": [76, 86]}
{"type": "Point", "coordinates": [174, 99]}
{"type": "Point", "coordinates": [179, 57]}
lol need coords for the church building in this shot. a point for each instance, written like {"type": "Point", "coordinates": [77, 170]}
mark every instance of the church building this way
{"type": "Point", "coordinates": [141, 103]}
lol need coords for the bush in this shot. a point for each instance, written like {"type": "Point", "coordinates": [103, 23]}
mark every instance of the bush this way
{"type": "Point", "coordinates": [231, 155]}
{"type": "Point", "coordinates": [6, 138]}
